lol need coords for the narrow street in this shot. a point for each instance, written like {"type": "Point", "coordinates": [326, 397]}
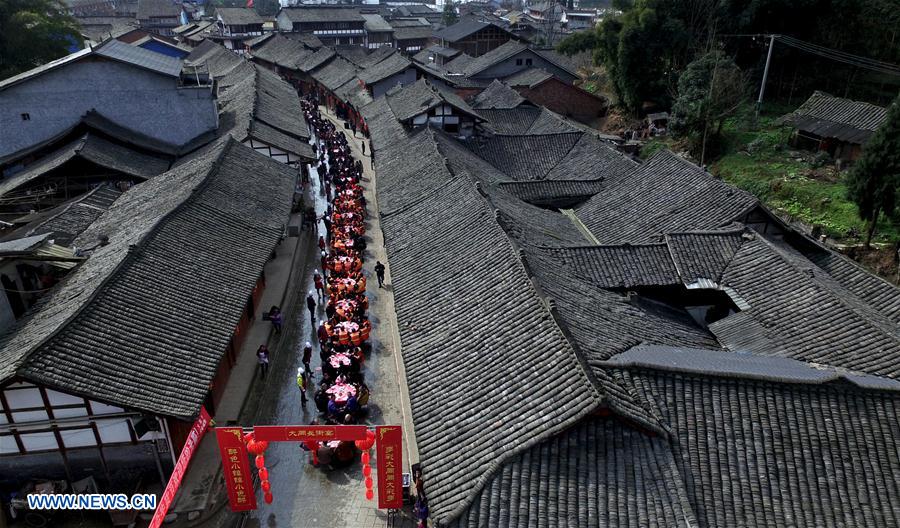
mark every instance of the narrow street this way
{"type": "Point", "coordinates": [306, 496]}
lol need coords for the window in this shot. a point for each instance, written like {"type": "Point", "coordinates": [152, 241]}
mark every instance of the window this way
{"type": "Point", "coordinates": [26, 117]}
{"type": "Point", "coordinates": [518, 62]}
{"type": "Point", "coordinates": [527, 62]}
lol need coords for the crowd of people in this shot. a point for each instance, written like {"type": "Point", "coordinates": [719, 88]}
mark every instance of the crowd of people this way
{"type": "Point", "coordinates": [341, 395]}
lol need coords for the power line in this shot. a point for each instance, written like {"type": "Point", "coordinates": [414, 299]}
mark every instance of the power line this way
{"type": "Point", "coordinates": [858, 61]}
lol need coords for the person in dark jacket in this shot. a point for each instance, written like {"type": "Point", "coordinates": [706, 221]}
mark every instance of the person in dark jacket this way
{"type": "Point", "coordinates": [311, 305]}
{"type": "Point", "coordinates": [379, 272]}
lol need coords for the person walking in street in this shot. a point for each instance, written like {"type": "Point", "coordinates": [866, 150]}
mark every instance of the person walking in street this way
{"type": "Point", "coordinates": [324, 257]}
{"type": "Point", "coordinates": [319, 284]}
{"type": "Point", "coordinates": [379, 272]}
{"type": "Point", "coordinates": [322, 334]}
{"type": "Point", "coordinates": [307, 356]}
{"type": "Point", "coordinates": [262, 357]}
{"type": "Point", "coordinates": [363, 145]}
{"type": "Point", "coordinates": [322, 243]}
{"type": "Point", "coordinates": [276, 318]}
{"type": "Point", "coordinates": [311, 305]}
{"type": "Point", "coordinates": [302, 384]}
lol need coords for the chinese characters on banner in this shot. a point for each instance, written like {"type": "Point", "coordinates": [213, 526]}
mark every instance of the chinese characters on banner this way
{"type": "Point", "coordinates": [190, 445]}
{"type": "Point", "coordinates": [388, 441]}
{"type": "Point", "coordinates": [236, 466]}
{"type": "Point", "coordinates": [299, 433]}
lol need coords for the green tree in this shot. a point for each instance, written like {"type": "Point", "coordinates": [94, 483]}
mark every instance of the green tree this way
{"type": "Point", "coordinates": [710, 89]}
{"type": "Point", "coordinates": [577, 43]}
{"type": "Point", "coordinates": [34, 32]}
{"type": "Point", "coordinates": [450, 16]}
{"type": "Point", "coordinates": [874, 181]}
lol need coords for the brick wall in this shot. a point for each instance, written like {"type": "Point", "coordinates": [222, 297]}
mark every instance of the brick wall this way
{"type": "Point", "coordinates": [565, 99]}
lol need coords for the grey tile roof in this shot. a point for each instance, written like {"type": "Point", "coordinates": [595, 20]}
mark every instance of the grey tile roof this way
{"type": "Point", "coordinates": [495, 56]}
{"type": "Point", "coordinates": [375, 23]}
{"type": "Point", "coordinates": [559, 194]}
{"type": "Point", "coordinates": [756, 453]}
{"type": "Point", "coordinates": [104, 154]}
{"type": "Point", "coordinates": [334, 73]}
{"type": "Point", "coordinates": [525, 158]}
{"type": "Point", "coordinates": [278, 105]}
{"type": "Point", "coordinates": [598, 473]}
{"type": "Point", "coordinates": [530, 78]}
{"type": "Point", "coordinates": [148, 9]}
{"type": "Point", "coordinates": [412, 33]}
{"type": "Point", "coordinates": [143, 323]}
{"type": "Point", "coordinates": [68, 220]}
{"type": "Point", "coordinates": [497, 95]}
{"type": "Point", "coordinates": [704, 255]}
{"type": "Point", "coordinates": [548, 122]}
{"type": "Point", "coordinates": [462, 29]}
{"type": "Point", "coordinates": [409, 101]}
{"type": "Point", "coordinates": [111, 49]}
{"type": "Point", "coordinates": [354, 93]}
{"type": "Point", "coordinates": [238, 16]}
{"type": "Point", "coordinates": [572, 155]}
{"type": "Point", "coordinates": [307, 39]}
{"type": "Point", "coordinates": [835, 117]}
{"type": "Point", "coordinates": [663, 195]}
{"type": "Point", "coordinates": [431, 206]}
{"type": "Point", "coordinates": [880, 294]}
{"type": "Point", "coordinates": [392, 65]}
{"type": "Point", "coordinates": [816, 319]}
{"type": "Point", "coordinates": [624, 266]}
{"type": "Point", "coordinates": [746, 366]}
{"type": "Point", "coordinates": [317, 59]}
{"type": "Point", "coordinates": [323, 14]}
{"type": "Point", "coordinates": [510, 121]}
{"type": "Point", "coordinates": [281, 51]}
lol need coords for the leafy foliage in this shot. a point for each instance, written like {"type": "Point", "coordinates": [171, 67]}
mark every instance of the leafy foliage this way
{"type": "Point", "coordinates": [709, 90]}
{"type": "Point", "coordinates": [874, 182]}
{"type": "Point", "coordinates": [450, 15]}
{"type": "Point", "coordinates": [645, 48]}
{"type": "Point", "coordinates": [577, 43]}
{"type": "Point", "coordinates": [34, 32]}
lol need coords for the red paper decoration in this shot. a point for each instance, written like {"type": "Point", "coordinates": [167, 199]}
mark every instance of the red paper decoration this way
{"type": "Point", "coordinates": [369, 494]}
{"type": "Point", "coordinates": [368, 482]}
{"type": "Point", "coordinates": [260, 461]}
{"type": "Point", "coordinates": [268, 498]}
{"type": "Point", "coordinates": [263, 474]}
{"type": "Point", "coordinates": [365, 458]}
{"type": "Point", "coordinates": [367, 470]}
{"type": "Point", "coordinates": [265, 485]}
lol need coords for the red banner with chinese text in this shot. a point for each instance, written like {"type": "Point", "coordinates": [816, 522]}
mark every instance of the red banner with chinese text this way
{"type": "Point", "coordinates": [236, 466]}
{"type": "Point", "coordinates": [190, 445]}
{"type": "Point", "coordinates": [299, 433]}
{"type": "Point", "coordinates": [389, 457]}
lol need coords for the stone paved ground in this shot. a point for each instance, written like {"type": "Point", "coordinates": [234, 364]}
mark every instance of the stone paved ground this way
{"type": "Point", "coordinates": [310, 497]}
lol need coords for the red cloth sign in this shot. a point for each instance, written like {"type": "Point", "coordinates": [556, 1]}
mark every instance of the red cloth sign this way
{"type": "Point", "coordinates": [299, 433]}
{"type": "Point", "coordinates": [236, 465]}
{"type": "Point", "coordinates": [190, 445]}
{"type": "Point", "coordinates": [389, 457]}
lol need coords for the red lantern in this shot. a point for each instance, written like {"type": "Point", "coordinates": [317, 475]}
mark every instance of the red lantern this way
{"type": "Point", "coordinates": [266, 486]}
{"type": "Point", "coordinates": [360, 444]}
{"type": "Point", "coordinates": [365, 458]}
{"type": "Point", "coordinates": [369, 494]}
{"type": "Point", "coordinates": [260, 461]}
{"type": "Point", "coordinates": [248, 438]}
{"type": "Point", "coordinates": [255, 447]}
{"type": "Point", "coordinates": [368, 482]}
{"type": "Point", "coordinates": [263, 474]}
{"type": "Point", "coordinates": [367, 470]}
{"type": "Point", "coordinates": [268, 498]}
{"type": "Point", "coordinates": [370, 435]}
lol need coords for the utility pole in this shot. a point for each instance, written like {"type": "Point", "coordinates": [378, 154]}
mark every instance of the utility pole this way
{"type": "Point", "coordinates": [762, 86]}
